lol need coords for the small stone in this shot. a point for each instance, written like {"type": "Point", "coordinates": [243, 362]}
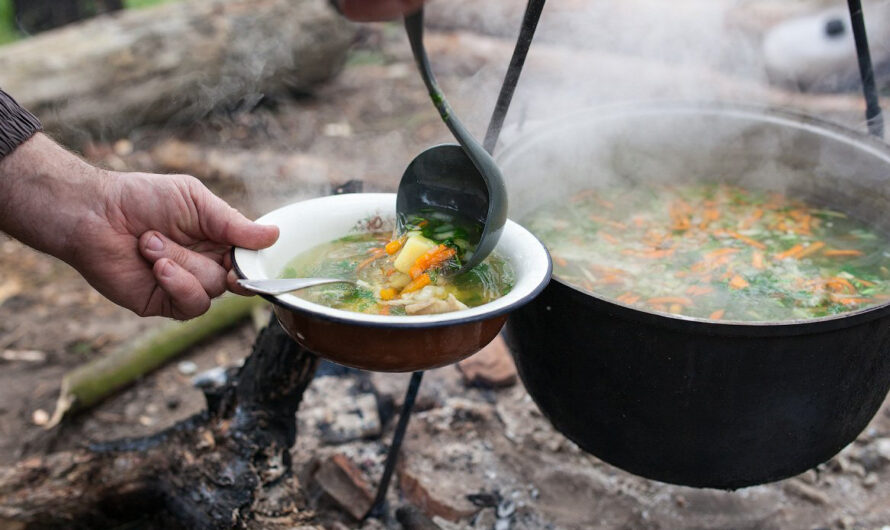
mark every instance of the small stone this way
{"type": "Point", "coordinates": [40, 417]}
{"type": "Point", "coordinates": [491, 367]}
{"type": "Point", "coordinates": [352, 418]}
{"type": "Point", "coordinates": [27, 356]}
{"type": "Point", "coordinates": [146, 421]}
{"type": "Point", "coordinates": [337, 130]}
{"type": "Point", "coordinates": [434, 501]}
{"type": "Point", "coordinates": [213, 378]}
{"type": "Point", "coordinates": [187, 367]}
{"type": "Point", "coordinates": [870, 480]}
{"type": "Point", "coordinates": [344, 482]}
{"type": "Point", "coordinates": [502, 524]}
{"type": "Point", "coordinates": [806, 492]}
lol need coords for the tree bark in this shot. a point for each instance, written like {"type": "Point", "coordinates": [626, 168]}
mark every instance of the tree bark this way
{"type": "Point", "coordinates": [175, 62]}
{"type": "Point", "coordinates": [228, 467]}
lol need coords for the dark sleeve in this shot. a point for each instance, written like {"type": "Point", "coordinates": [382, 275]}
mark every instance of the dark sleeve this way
{"type": "Point", "coordinates": [16, 124]}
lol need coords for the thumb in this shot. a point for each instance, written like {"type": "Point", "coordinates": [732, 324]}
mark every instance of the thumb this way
{"type": "Point", "coordinates": [224, 224]}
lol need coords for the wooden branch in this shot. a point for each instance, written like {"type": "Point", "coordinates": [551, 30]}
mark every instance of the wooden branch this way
{"type": "Point", "coordinates": [227, 467]}
{"type": "Point", "coordinates": [174, 62]}
{"type": "Point", "coordinates": [94, 381]}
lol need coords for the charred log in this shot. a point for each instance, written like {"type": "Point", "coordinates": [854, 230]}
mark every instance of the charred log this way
{"type": "Point", "coordinates": [226, 467]}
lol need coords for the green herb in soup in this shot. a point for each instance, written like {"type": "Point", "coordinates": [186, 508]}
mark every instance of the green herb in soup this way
{"type": "Point", "coordinates": [715, 251]}
{"type": "Point", "coordinates": [409, 273]}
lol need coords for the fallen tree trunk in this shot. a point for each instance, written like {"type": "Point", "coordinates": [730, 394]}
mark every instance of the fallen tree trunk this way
{"type": "Point", "coordinates": [94, 381]}
{"type": "Point", "coordinates": [176, 62]}
{"type": "Point", "coordinates": [227, 467]}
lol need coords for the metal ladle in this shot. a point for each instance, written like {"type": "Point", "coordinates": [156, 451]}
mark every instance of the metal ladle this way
{"type": "Point", "coordinates": [457, 179]}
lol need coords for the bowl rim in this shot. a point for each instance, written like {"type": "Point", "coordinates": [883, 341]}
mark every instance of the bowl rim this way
{"type": "Point", "coordinates": [763, 113]}
{"type": "Point", "coordinates": [498, 307]}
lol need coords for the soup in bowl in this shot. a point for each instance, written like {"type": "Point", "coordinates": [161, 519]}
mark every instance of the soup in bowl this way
{"type": "Point", "coordinates": [395, 342]}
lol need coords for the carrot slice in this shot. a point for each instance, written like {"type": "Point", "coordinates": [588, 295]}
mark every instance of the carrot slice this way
{"type": "Point", "coordinates": [432, 258]}
{"type": "Point", "coordinates": [387, 294]}
{"type": "Point", "coordinates": [812, 249]}
{"type": "Point", "coordinates": [790, 253]}
{"type": "Point", "coordinates": [393, 246]}
{"type": "Point", "coordinates": [757, 260]}
{"type": "Point", "coordinates": [737, 282]}
{"type": "Point", "coordinates": [417, 283]}
{"type": "Point", "coordinates": [836, 253]}
{"type": "Point", "coordinates": [747, 240]}
{"type": "Point", "coordinates": [664, 300]}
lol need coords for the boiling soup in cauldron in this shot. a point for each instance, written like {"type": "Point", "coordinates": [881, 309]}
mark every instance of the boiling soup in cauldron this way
{"type": "Point", "coordinates": [715, 251]}
{"type": "Point", "coordinates": [404, 272]}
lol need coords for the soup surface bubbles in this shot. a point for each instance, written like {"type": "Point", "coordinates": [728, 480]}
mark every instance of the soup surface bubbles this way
{"type": "Point", "coordinates": [715, 251]}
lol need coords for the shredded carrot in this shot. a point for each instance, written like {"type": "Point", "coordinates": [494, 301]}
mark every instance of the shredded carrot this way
{"type": "Point", "coordinates": [661, 300]}
{"type": "Point", "coordinates": [603, 220]}
{"type": "Point", "coordinates": [840, 285]}
{"type": "Point", "coordinates": [393, 246]}
{"type": "Point", "coordinates": [749, 222]}
{"type": "Point", "coordinates": [747, 240]}
{"type": "Point", "coordinates": [836, 253]}
{"type": "Point", "coordinates": [388, 293]}
{"type": "Point", "coordinates": [432, 258]}
{"type": "Point", "coordinates": [610, 279]}
{"type": "Point", "coordinates": [720, 252]}
{"type": "Point", "coordinates": [649, 254]}
{"type": "Point", "coordinates": [696, 290]}
{"type": "Point", "coordinates": [376, 254]}
{"type": "Point", "coordinates": [790, 253]}
{"type": "Point", "coordinates": [417, 283]}
{"type": "Point", "coordinates": [849, 300]}
{"type": "Point", "coordinates": [610, 238]}
{"type": "Point", "coordinates": [717, 315]}
{"type": "Point", "coordinates": [757, 260]}
{"type": "Point", "coordinates": [812, 249]}
{"type": "Point", "coordinates": [384, 310]}
{"type": "Point", "coordinates": [865, 283]}
{"type": "Point", "coordinates": [737, 282]}
{"type": "Point", "coordinates": [676, 308]}
{"type": "Point", "coordinates": [560, 260]}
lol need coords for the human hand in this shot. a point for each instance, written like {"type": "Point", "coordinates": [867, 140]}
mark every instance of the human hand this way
{"type": "Point", "coordinates": [372, 10]}
{"type": "Point", "coordinates": [155, 244]}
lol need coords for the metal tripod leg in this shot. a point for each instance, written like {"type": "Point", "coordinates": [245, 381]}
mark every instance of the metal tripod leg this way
{"type": "Point", "coordinates": [376, 509]}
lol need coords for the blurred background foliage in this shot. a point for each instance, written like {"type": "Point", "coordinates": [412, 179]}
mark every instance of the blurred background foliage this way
{"type": "Point", "coordinates": [10, 30]}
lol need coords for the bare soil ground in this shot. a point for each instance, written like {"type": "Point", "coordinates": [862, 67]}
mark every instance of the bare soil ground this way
{"type": "Point", "coordinates": [367, 124]}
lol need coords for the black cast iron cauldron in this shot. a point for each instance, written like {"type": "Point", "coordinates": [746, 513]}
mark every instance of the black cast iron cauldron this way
{"type": "Point", "coordinates": [685, 400]}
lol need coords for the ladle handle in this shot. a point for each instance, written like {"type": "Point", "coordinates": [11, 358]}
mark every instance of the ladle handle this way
{"type": "Point", "coordinates": [414, 29]}
{"type": "Point", "coordinates": [526, 33]}
{"type": "Point", "coordinates": [286, 285]}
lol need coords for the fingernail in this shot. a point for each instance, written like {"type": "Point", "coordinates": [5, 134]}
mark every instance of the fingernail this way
{"type": "Point", "coordinates": [154, 244]}
{"type": "Point", "coordinates": [168, 270]}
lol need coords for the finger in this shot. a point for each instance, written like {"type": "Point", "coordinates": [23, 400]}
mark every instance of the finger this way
{"type": "Point", "coordinates": [187, 296]}
{"type": "Point", "coordinates": [367, 11]}
{"type": "Point", "coordinates": [210, 274]}
{"type": "Point", "coordinates": [232, 281]}
{"type": "Point", "coordinates": [224, 224]}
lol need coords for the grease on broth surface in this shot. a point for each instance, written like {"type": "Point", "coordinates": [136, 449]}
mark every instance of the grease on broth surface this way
{"type": "Point", "coordinates": [715, 251]}
{"type": "Point", "coordinates": [406, 273]}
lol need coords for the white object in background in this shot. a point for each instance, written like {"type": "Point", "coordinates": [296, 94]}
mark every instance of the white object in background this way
{"type": "Point", "coordinates": [817, 52]}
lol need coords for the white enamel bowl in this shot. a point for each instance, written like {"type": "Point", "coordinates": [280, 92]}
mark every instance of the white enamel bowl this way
{"type": "Point", "coordinates": [378, 342]}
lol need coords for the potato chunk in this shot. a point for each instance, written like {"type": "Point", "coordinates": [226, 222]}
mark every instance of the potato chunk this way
{"type": "Point", "coordinates": [415, 246]}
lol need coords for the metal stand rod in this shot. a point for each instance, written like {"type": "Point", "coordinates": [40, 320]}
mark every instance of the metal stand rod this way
{"type": "Point", "coordinates": [376, 509]}
{"type": "Point", "coordinates": [866, 71]}
{"type": "Point", "coordinates": [526, 33]}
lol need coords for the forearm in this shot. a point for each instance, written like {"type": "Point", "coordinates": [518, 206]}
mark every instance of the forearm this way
{"type": "Point", "coordinates": [46, 194]}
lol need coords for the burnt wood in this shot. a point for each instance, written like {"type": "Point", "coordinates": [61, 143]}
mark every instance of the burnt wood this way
{"type": "Point", "coordinates": [226, 467]}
